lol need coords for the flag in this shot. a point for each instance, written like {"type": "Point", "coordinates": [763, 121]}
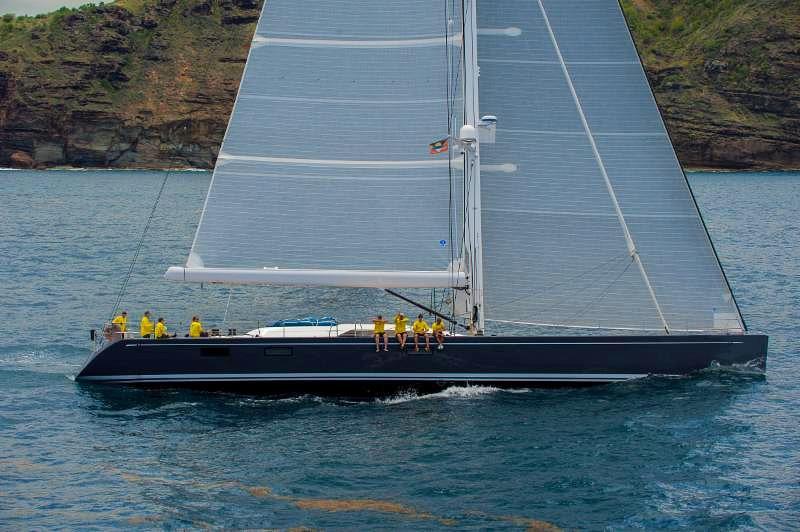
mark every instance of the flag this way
{"type": "Point", "coordinates": [440, 146]}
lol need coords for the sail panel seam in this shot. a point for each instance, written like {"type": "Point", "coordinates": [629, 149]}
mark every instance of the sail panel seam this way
{"type": "Point", "coordinates": [568, 63]}
{"type": "Point", "coordinates": [579, 213]}
{"type": "Point", "coordinates": [335, 162]}
{"type": "Point", "coordinates": [258, 40]}
{"type": "Point", "coordinates": [358, 101]}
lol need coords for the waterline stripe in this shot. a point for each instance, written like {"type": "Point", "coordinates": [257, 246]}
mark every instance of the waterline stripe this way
{"type": "Point", "coordinates": [512, 377]}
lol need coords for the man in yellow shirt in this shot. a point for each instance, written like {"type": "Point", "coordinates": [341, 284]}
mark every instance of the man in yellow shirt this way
{"type": "Point", "coordinates": [161, 330]}
{"type": "Point", "coordinates": [421, 328]}
{"type": "Point", "coordinates": [400, 323]}
{"type": "Point", "coordinates": [146, 326]}
{"type": "Point", "coordinates": [438, 333]}
{"type": "Point", "coordinates": [121, 321]}
{"type": "Point", "coordinates": [196, 328]}
{"type": "Point", "coordinates": [380, 332]}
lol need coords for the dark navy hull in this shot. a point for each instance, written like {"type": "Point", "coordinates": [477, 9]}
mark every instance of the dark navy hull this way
{"type": "Point", "coordinates": [351, 365]}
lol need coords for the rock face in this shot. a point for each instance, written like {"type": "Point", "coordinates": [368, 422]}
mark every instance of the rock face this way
{"type": "Point", "coordinates": [150, 86]}
{"type": "Point", "coordinates": [725, 75]}
{"type": "Point", "coordinates": [150, 83]}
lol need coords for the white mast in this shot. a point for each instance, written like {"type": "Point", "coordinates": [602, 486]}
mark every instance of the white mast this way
{"type": "Point", "coordinates": [473, 245]}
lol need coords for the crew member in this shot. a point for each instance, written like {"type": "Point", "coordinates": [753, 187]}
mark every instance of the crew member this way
{"type": "Point", "coordinates": [438, 333]}
{"type": "Point", "coordinates": [121, 321]}
{"type": "Point", "coordinates": [421, 328]}
{"type": "Point", "coordinates": [380, 332]}
{"type": "Point", "coordinates": [146, 326]}
{"type": "Point", "coordinates": [196, 328]}
{"type": "Point", "coordinates": [161, 330]}
{"type": "Point", "coordinates": [400, 323]}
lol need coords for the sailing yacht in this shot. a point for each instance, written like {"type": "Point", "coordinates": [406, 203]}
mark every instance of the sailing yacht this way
{"type": "Point", "coordinates": [522, 136]}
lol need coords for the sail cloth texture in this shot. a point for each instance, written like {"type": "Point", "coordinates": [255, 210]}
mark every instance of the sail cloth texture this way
{"type": "Point", "coordinates": [325, 163]}
{"type": "Point", "coordinates": [554, 247]}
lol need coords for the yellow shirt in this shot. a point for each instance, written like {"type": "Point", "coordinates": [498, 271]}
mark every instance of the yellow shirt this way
{"type": "Point", "coordinates": [437, 326]}
{"type": "Point", "coordinates": [161, 330]}
{"type": "Point", "coordinates": [400, 324]}
{"type": "Point", "coordinates": [195, 329]}
{"type": "Point", "coordinates": [146, 326]}
{"type": "Point", "coordinates": [122, 321]}
{"type": "Point", "coordinates": [379, 325]}
{"type": "Point", "coordinates": [420, 326]}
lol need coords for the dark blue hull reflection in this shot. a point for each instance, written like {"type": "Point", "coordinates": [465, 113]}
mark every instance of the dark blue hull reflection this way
{"type": "Point", "coordinates": [351, 365]}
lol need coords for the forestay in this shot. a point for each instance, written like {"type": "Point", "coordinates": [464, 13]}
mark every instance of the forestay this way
{"type": "Point", "coordinates": [325, 165]}
{"type": "Point", "coordinates": [578, 121]}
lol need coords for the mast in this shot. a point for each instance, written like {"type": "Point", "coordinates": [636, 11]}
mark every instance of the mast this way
{"type": "Point", "coordinates": [473, 244]}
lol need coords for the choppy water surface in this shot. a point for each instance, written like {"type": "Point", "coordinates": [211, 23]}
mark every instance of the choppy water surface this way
{"type": "Point", "coordinates": [717, 450]}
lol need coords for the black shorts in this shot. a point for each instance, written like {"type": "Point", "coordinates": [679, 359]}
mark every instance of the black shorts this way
{"type": "Point", "coordinates": [379, 334]}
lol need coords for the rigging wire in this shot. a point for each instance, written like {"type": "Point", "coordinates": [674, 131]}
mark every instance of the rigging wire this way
{"type": "Point", "coordinates": [225, 316]}
{"type": "Point", "coordinates": [448, 59]}
{"type": "Point", "coordinates": [534, 292]}
{"type": "Point", "coordinates": [454, 64]}
{"type": "Point", "coordinates": [139, 245]}
{"type": "Point", "coordinates": [605, 290]}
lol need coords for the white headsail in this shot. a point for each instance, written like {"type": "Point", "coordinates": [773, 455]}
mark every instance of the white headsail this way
{"type": "Point", "coordinates": [597, 226]}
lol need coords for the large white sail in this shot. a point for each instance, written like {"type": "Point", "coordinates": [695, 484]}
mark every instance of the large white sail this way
{"type": "Point", "coordinates": [596, 183]}
{"type": "Point", "coordinates": [325, 170]}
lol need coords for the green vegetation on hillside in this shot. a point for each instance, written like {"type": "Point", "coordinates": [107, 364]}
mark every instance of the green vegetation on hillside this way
{"type": "Point", "coordinates": [133, 83]}
{"type": "Point", "coordinates": [151, 82]}
{"type": "Point", "coordinates": [725, 75]}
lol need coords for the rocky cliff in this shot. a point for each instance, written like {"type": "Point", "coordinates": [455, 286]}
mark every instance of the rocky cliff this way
{"type": "Point", "coordinates": [150, 83]}
{"type": "Point", "coordinates": [725, 74]}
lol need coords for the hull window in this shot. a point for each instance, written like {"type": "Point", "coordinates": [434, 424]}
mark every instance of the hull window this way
{"type": "Point", "coordinates": [278, 351]}
{"type": "Point", "coordinates": [215, 352]}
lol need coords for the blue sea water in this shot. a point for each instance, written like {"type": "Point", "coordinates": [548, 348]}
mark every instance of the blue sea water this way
{"type": "Point", "coordinates": [715, 450]}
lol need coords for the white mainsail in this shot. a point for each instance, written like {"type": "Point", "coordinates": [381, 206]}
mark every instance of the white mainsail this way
{"type": "Point", "coordinates": [593, 160]}
{"type": "Point", "coordinates": [325, 175]}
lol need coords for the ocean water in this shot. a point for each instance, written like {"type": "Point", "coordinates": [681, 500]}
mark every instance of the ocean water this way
{"type": "Point", "coordinates": [715, 450]}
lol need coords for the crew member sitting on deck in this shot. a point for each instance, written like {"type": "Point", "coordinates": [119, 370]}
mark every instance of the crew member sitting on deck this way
{"type": "Point", "coordinates": [146, 326]}
{"type": "Point", "coordinates": [438, 333]}
{"type": "Point", "coordinates": [121, 321]}
{"type": "Point", "coordinates": [379, 333]}
{"type": "Point", "coordinates": [400, 322]}
{"type": "Point", "coordinates": [161, 330]}
{"type": "Point", "coordinates": [421, 328]}
{"type": "Point", "coordinates": [196, 328]}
